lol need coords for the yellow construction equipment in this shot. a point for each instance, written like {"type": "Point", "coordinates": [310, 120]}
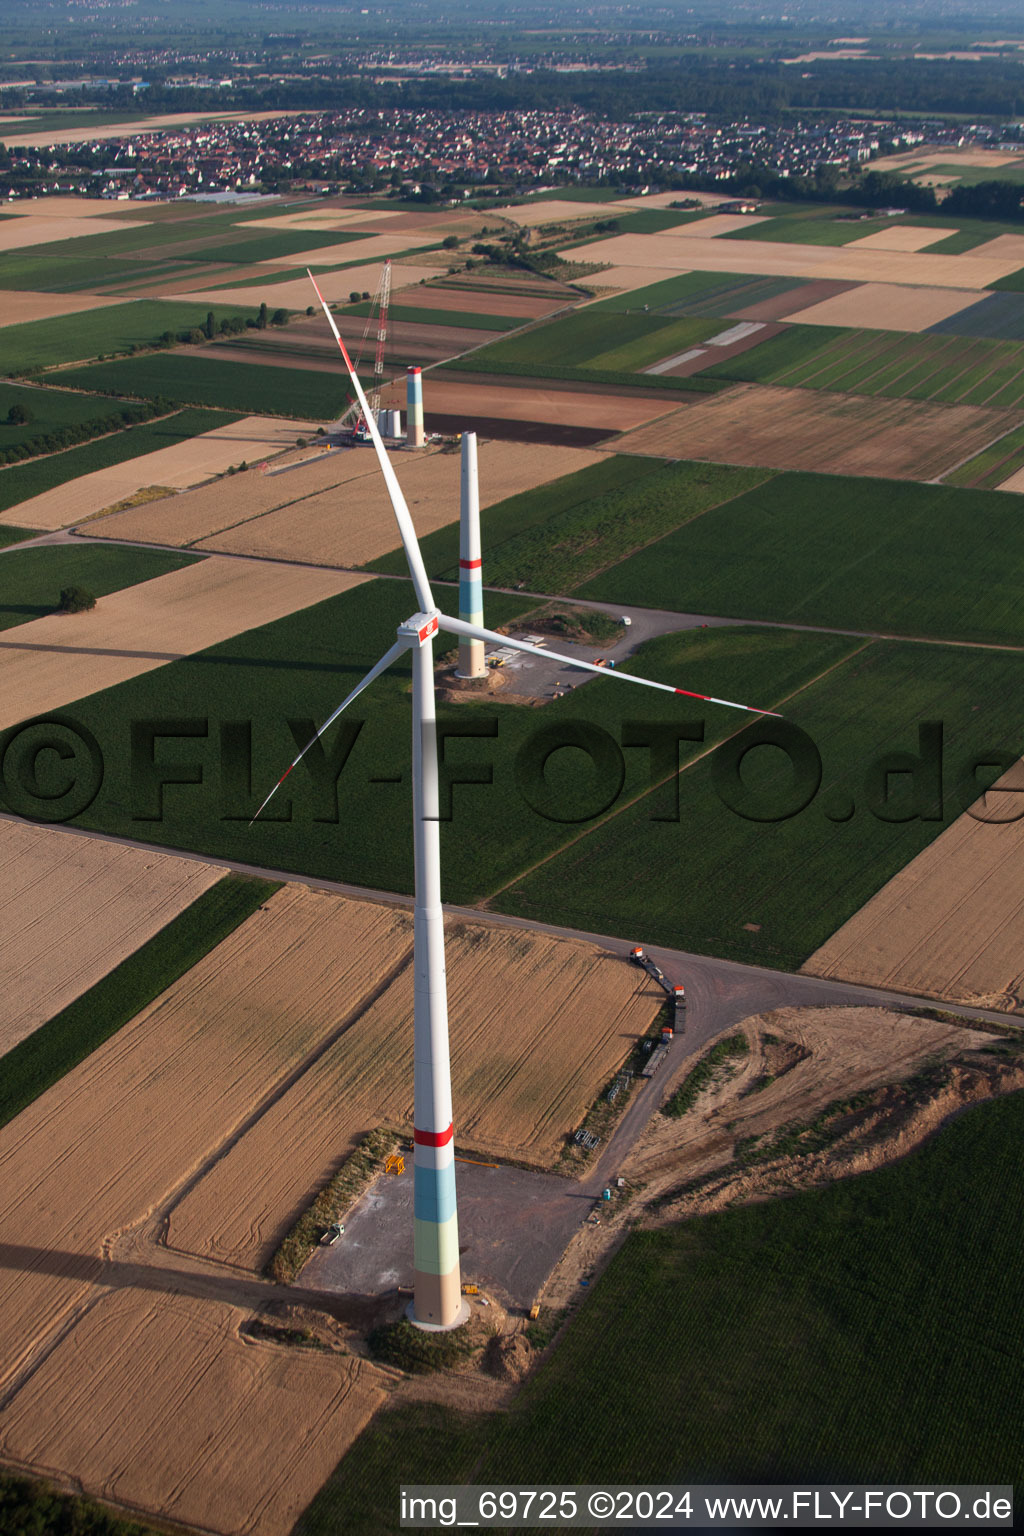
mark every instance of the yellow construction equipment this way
{"type": "Point", "coordinates": [395, 1163]}
{"type": "Point", "coordinates": [535, 1311]}
{"type": "Point", "coordinates": [471, 1290]}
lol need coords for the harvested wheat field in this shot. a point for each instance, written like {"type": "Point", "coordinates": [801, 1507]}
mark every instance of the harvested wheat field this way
{"type": "Point", "coordinates": [885, 307]}
{"type": "Point", "coordinates": [557, 211]}
{"type": "Point", "coordinates": [335, 511]}
{"type": "Point", "coordinates": [119, 1134]}
{"type": "Point", "coordinates": [67, 656]}
{"type": "Point", "coordinates": [1014, 483]}
{"type": "Point", "coordinates": [26, 230]}
{"type": "Point", "coordinates": [900, 237]}
{"type": "Point", "coordinates": [295, 293]}
{"type": "Point", "coordinates": [951, 923]}
{"type": "Point", "coordinates": [940, 154]}
{"type": "Point", "coordinates": [74, 907]}
{"type": "Point", "coordinates": [808, 429]}
{"type": "Point", "coordinates": [518, 1084]}
{"type": "Point", "coordinates": [183, 464]}
{"type": "Point", "coordinates": [1008, 247]}
{"type": "Point", "coordinates": [18, 305]}
{"type": "Point", "coordinates": [664, 255]}
{"type": "Point", "coordinates": [90, 130]}
{"type": "Point", "coordinates": [716, 224]}
{"type": "Point", "coordinates": [156, 1403]}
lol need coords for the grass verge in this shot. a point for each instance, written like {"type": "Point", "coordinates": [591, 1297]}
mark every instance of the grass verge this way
{"type": "Point", "coordinates": [355, 1173]}
{"type": "Point", "coordinates": [73, 1034]}
{"type": "Point", "coordinates": [410, 1349]}
{"type": "Point", "coordinates": [33, 1509]}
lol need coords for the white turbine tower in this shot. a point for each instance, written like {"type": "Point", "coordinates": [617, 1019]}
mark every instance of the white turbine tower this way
{"type": "Point", "coordinates": [437, 1300]}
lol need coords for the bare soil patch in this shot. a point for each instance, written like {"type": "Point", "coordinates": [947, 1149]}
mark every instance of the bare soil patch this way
{"type": "Point", "coordinates": [183, 464]}
{"type": "Point", "coordinates": [512, 402]}
{"type": "Point", "coordinates": [156, 1402]}
{"type": "Point", "coordinates": [538, 1026]}
{"type": "Point", "coordinates": [465, 301]}
{"type": "Point", "coordinates": [65, 657]}
{"type": "Point", "coordinates": [71, 909]}
{"type": "Point", "coordinates": [951, 923]}
{"type": "Point", "coordinates": [782, 305]}
{"type": "Point", "coordinates": [804, 1068]}
{"type": "Point", "coordinates": [885, 307]}
{"type": "Point", "coordinates": [335, 510]}
{"type": "Point", "coordinates": [804, 429]}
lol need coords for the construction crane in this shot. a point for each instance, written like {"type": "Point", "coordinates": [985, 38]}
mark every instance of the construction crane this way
{"type": "Point", "coordinates": [381, 304]}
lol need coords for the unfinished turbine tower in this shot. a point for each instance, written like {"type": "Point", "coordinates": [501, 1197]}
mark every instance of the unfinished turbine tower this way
{"type": "Point", "coordinates": [471, 584]}
{"type": "Point", "coordinates": [437, 1296]}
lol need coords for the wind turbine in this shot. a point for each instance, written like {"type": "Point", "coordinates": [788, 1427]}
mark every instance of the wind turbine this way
{"type": "Point", "coordinates": [437, 1299]}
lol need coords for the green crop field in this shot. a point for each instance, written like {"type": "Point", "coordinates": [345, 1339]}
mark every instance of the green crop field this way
{"type": "Point", "coordinates": [1012, 283]}
{"type": "Point", "coordinates": [11, 535]}
{"type": "Point", "coordinates": [994, 465]}
{"type": "Point", "coordinates": [546, 538]}
{"type": "Point", "coordinates": [69, 338]}
{"type": "Point", "coordinates": [48, 410]}
{"type": "Point", "coordinates": [951, 369]}
{"type": "Point", "coordinates": [651, 221]}
{"type": "Point", "coordinates": [809, 231]}
{"type": "Point", "coordinates": [299, 668]}
{"type": "Point", "coordinates": [248, 387]}
{"type": "Point", "coordinates": [862, 554]}
{"type": "Point", "coordinates": [869, 1331]}
{"type": "Point", "coordinates": [20, 482]}
{"type": "Point", "coordinates": [770, 891]}
{"type": "Point", "coordinates": [269, 246]}
{"type": "Point", "coordinates": [412, 315]}
{"type": "Point", "coordinates": [521, 515]}
{"type": "Point", "coordinates": [601, 339]}
{"type": "Point", "coordinates": [31, 580]}
{"type": "Point", "coordinates": [45, 1056]}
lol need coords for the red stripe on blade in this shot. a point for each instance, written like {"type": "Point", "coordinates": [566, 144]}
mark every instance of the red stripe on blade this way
{"type": "Point", "coordinates": [688, 695]}
{"type": "Point", "coordinates": [434, 1138]}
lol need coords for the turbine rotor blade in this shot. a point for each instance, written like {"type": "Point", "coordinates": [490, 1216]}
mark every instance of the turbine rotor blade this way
{"type": "Point", "coordinates": [474, 632]}
{"type": "Point", "coordinates": [375, 671]}
{"type": "Point", "coordinates": [417, 570]}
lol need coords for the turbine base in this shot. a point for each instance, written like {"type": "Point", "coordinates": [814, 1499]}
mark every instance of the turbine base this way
{"type": "Point", "coordinates": [461, 1316]}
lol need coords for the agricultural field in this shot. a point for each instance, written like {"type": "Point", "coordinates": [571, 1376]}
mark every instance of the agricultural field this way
{"type": "Point", "coordinates": [46, 411]}
{"type": "Point", "coordinates": [19, 306]}
{"type": "Point", "coordinates": [795, 1286]}
{"type": "Point", "coordinates": [519, 1090]}
{"type": "Point", "coordinates": [64, 657]}
{"type": "Point", "coordinates": [600, 339]}
{"type": "Point", "coordinates": [157, 1401]}
{"type": "Point", "coordinates": [297, 671]}
{"type": "Point", "coordinates": [70, 338]}
{"type": "Point", "coordinates": [804, 428]}
{"type": "Point", "coordinates": [995, 468]}
{"type": "Point", "coordinates": [892, 307]}
{"type": "Point", "coordinates": [556, 555]}
{"type": "Point", "coordinates": [947, 368]}
{"type": "Point", "coordinates": [73, 909]}
{"type": "Point", "coordinates": [60, 1149]}
{"type": "Point", "coordinates": [334, 510]}
{"type": "Point", "coordinates": [539, 409]}
{"type": "Point", "coordinates": [22, 483]}
{"type": "Point", "coordinates": [200, 378]}
{"type": "Point", "coordinates": [950, 923]}
{"type": "Point", "coordinates": [767, 883]}
{"type": "Point", "coordinates": [825, 549]}
{"type": "Point", "coordinates": [157, 475]}
{"type": "Point", "coordinates": [1000, 316]}
{"type": "Point", "coordinates": [33, 579]}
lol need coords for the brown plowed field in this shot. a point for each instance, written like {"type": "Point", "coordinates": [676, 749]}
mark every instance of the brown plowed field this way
{"type": "Point", "coordinates": [665, 254]}
{"type": "Point", "coordinates": [884, 307]}
{"type": "Point", "coordinates": [183, 464]}
{"type": "Point", "coordinates": [807, 429]}
{"type": "Point", "coordinates": [951, 924]}
{"type": "Point", "coordinates": [335, 511]}
{"type": "Point", "coordinates": [67, 656]}
{"type": "Point", "coordinates": [71, 908]}
{"type": "Point", "coordinates": [561, 407]}
{"type": "Point", "coordinates": [479, 302]}
{"type": "Point", "coordinates": [155, 1402]}
{"type": "Point", "coordinates": [782, 305]}
{"type": "Point", "coordinates": [538, 1025]}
